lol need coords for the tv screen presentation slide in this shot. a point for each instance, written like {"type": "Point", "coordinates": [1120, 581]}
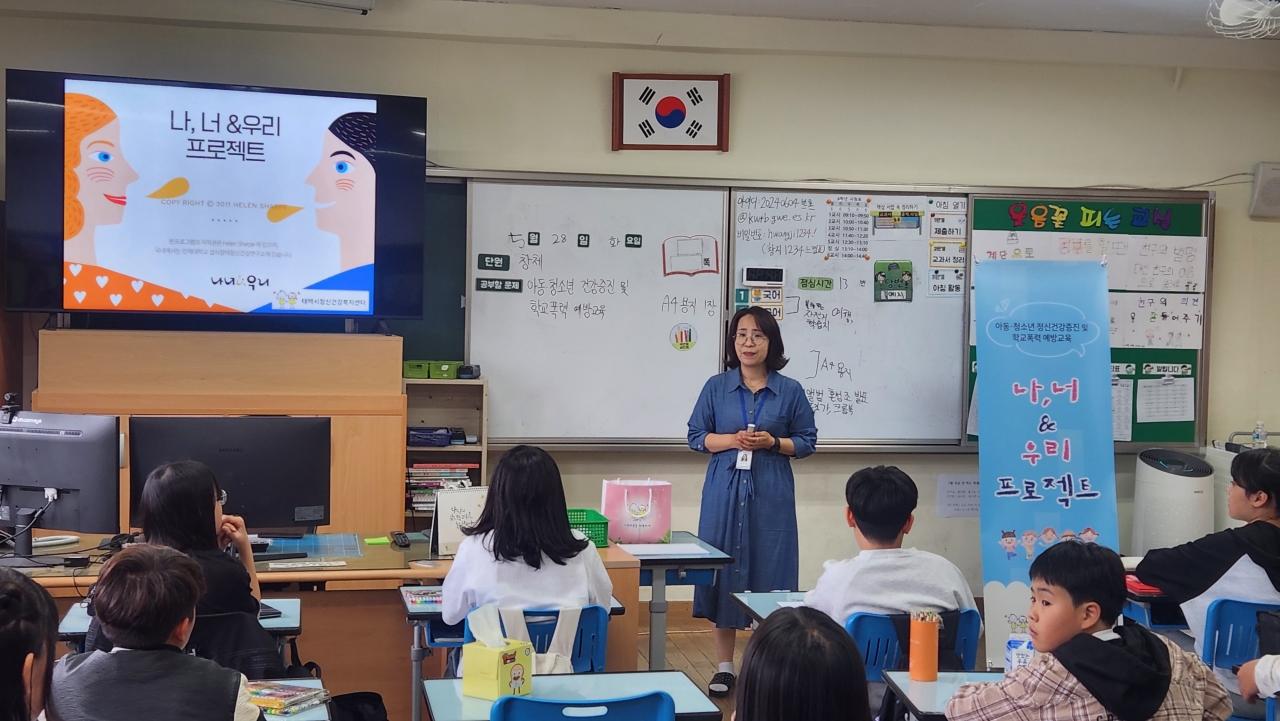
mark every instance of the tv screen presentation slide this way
{"type": "Point", "coordinates": [182, 199]}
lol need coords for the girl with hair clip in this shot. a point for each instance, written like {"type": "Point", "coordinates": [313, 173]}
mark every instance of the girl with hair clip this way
{"type": "Point", "coordinates": [801, 666]}
{"type": "Point", "coordinates": [182, 508]}
{"type": "Point", "coordinates": [28, 636]}
{"type": "Point", "coordinates": [522, 553]}
{"type": "Point", "coordinates": [1238, 563]}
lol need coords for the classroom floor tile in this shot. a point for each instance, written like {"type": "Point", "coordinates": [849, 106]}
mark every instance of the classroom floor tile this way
{"type": "Point", "coordinates": [694, 652]}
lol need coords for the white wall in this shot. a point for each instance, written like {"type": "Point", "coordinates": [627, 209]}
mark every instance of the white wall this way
{"type": "Point", "coordinates": [528, 89]}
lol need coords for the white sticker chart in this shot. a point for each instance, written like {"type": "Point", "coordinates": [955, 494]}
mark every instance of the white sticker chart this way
{"type": "Point", "coordinates": [1134, 262]}
{"type": "Point", "coordinates": [872, 308]}
{"type": "Point", "coordinates": [1166, 400]}
{"type": "Point", "coordinates": [1122, 408]}
{"type": "Point", "coordinates": [595, 312]}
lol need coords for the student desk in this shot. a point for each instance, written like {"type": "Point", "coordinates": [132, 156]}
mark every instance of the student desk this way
{"type": "Point", "coordinates": [445, 701]}
{"type": "Point", "coordinates": [1157, 613]}
{"type": "Point", "coordinates": [929, 699]}
{"type": "Point", "coordinates": [421, 614]}
{"type": "Point", "coordinates": [354, 625]}
{"type": "Point", "coordinates": [660, 571]}
{"type": "Point", "coordinates": [759, 605]}
{"type": "Point", "coordinates": [75, 625]}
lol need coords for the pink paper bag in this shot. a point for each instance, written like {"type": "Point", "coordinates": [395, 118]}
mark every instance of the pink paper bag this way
{"type": "Point", "coordinates": [638, 511]}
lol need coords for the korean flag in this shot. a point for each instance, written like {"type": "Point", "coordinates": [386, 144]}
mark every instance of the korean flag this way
{"type": "Point", "coordinates": [660, 112]}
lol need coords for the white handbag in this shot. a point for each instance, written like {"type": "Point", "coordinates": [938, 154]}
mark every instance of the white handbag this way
{"type": "Point", "coordinates": [557, 658]}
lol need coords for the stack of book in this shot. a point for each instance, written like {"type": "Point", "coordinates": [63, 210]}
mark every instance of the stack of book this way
{"type": "Point", "coordinates": [422, 480]}
{"type": "Point", "coordinates": [281, 698]}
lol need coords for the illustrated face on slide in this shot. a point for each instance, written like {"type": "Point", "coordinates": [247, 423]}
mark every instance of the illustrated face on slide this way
{"type": "Point", "coordinates": [104, 176]}
{"type": "Point", "coordinates": [345, 184]}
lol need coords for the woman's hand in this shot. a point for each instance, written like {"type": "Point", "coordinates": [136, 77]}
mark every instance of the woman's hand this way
{"type": "Point", "coordinates": [742, 440]}
{"type": "Point", "coordinates": [758, 441]}
{"type": "Point", "coordinates": [233, 531]}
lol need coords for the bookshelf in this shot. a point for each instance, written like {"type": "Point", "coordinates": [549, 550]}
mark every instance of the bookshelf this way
{"type": "Point", "coordinates": [455, 404]}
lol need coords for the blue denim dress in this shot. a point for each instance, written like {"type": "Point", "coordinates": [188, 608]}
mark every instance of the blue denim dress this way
{"type": "Point", "coordinates": [751, 515]}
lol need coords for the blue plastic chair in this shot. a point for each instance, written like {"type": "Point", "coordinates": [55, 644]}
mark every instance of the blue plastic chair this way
{"type": "Point", "coordinates": [655, 706]}
{"type": "Point", "coordinates": [1231, 633]}
{"type": "Point", "coordinates": [588, 644]}
{"type": "Point", "coordinates": [1271, 709]}
{"type": "Point", "coordinates": [878, 642]}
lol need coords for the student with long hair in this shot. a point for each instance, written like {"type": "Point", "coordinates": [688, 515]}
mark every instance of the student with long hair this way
{"type": "Point", "coordinates": [28, 636]}
{"type": "Point", "coordinates": [522, 553]}
{"type": "Point", "coordinates": [182, 509]}
{"type": "Point", "coordinates": [801, 666]}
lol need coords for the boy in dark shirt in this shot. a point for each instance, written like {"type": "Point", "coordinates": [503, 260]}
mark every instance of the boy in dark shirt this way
{"type": "Point", "coordinates": [145, 600]}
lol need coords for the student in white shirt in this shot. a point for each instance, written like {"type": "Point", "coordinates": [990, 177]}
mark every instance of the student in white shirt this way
{"type": "Point", "coordinates": [884, 577]}
{"type": "Point", "coordinates": [521, 553]}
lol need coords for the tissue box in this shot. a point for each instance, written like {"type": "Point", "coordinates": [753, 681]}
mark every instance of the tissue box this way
{"type": "Point", "coordinates": [1018, 651]}
{"type": "Point", "coordinates": [490, 673]}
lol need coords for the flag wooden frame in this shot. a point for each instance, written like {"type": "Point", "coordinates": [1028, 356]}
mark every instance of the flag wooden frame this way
{"type": "Point", "coordinates": [722, 112]}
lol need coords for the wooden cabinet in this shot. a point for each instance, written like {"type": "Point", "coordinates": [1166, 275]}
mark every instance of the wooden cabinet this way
{"type": "Point", "coordinates": [354, 379]}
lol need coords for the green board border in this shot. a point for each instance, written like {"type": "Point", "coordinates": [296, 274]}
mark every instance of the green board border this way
{"type": "Point", "coordinates": [1185, 219]}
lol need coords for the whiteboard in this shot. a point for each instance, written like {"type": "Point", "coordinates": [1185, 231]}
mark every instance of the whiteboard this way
{"type": "Point", "coordinates": [608, 321]}
{"type": "Point", "coordinates": [887, 370]}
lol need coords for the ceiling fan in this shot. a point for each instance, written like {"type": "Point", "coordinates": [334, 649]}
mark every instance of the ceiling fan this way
{"type": "Point", "coordinates": [1244, 18]}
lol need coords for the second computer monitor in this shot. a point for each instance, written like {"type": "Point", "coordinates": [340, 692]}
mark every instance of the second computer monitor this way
{"type": "Point", "coordinates": [274, 469]}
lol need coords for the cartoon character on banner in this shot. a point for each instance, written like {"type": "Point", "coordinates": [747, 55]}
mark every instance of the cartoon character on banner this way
{"type": "Point", "coordinates": [1048, 537]}
{"type": "Point", "coordinates": [1009, 542]}
{"type": "Point", "coordinates": [1029, 539]}
{"type": "Point", "coordinates": [1017, 623]}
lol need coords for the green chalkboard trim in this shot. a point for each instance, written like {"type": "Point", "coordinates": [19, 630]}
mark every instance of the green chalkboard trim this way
{"type": "Point", "coordinates": [1037, 214]}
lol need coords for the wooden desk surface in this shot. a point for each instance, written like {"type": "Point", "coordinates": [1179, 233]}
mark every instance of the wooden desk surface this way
{"type": "Point", "coordinates": [379, 563]}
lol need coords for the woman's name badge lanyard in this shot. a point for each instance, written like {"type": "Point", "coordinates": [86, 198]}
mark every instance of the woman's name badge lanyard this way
{"type": "Point", "coordinates": [744, 457]}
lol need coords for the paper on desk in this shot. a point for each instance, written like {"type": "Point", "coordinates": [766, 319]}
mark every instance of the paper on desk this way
{"type": "Point", "coordinates": [664, 549]}
{"type": "Point", "coordinates": [790, 604]}
{"type": "Point", "coordinates": [1164, 400]}
{"type": "Point", "coordinates": [1122, 409]}
{"type": "Point", "coordinates": [486, 625]}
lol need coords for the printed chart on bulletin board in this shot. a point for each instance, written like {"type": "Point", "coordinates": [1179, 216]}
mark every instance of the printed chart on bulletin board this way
{"type": "Point", "coordinates": [870, 300]}
{"type": "Point", "coordinates": [1157, 256]}
{"type": "Point", "coordinates": [595, 312]}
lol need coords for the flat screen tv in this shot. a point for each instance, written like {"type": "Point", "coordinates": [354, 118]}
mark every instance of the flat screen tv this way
{"type": "Point", "coordinates": [154, 196]}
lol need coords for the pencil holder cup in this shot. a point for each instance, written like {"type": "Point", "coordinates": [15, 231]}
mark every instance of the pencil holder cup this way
{"type": "Point", "coordinates": [923, 664]}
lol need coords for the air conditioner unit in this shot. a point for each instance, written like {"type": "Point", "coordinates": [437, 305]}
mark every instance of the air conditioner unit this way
{"type": "Point", "coordinates": [1265, 204]}
{"type": "Point", "coordinates": [350, 6]}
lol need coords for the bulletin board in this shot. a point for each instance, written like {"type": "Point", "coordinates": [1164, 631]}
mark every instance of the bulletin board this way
{"type": "Point", "coordinates": [1158, 250]}
{"type": "Point", "coordinates": [908, 365]}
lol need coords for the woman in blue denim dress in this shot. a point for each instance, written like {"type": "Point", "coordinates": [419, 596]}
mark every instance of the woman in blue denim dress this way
{"type": "Point", "coordinates": [749, 513]}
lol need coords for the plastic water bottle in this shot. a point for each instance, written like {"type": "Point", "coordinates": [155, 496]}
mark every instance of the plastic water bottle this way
{"type": "Point", "coordinates": [1259, 436]}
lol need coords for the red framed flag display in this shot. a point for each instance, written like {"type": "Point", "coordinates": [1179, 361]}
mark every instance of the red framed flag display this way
{"type": "Point", "coordinates": [670, 112]}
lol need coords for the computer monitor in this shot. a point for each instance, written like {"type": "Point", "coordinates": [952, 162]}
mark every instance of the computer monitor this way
{"type": "Point", "coordinates": [275, 469]}
{"type": "Point", "coordinates": [63, 471]}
